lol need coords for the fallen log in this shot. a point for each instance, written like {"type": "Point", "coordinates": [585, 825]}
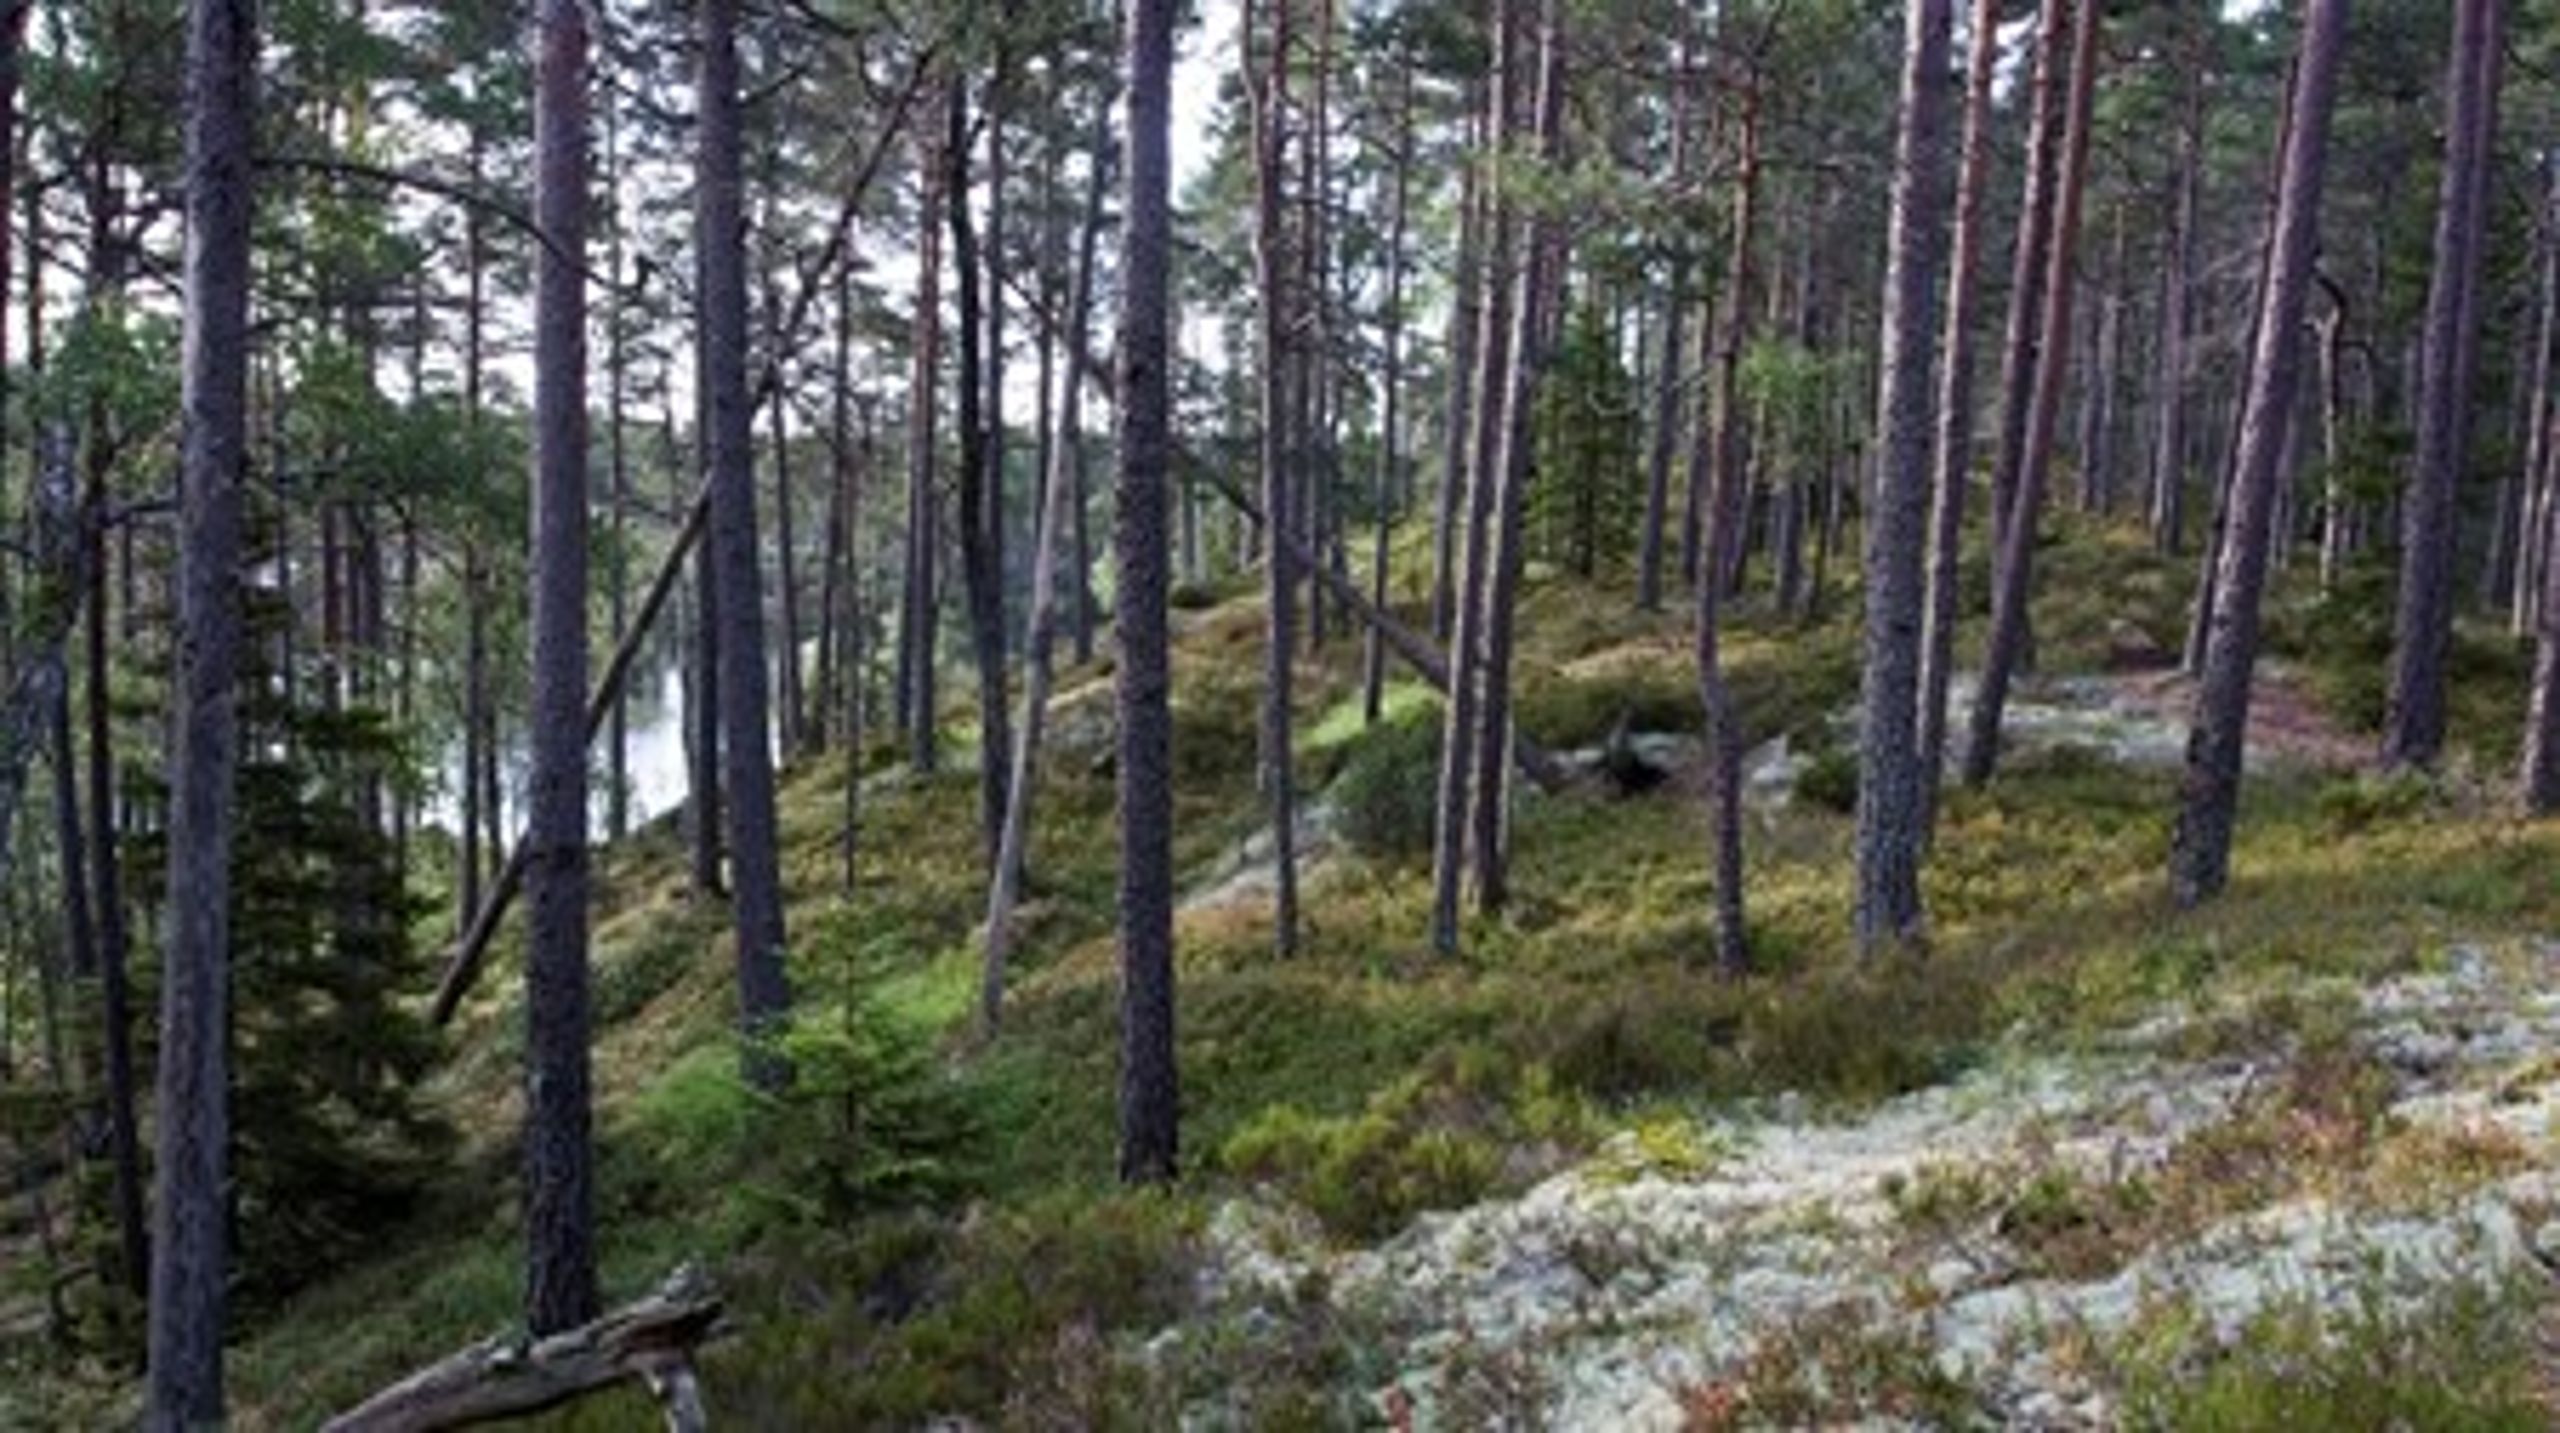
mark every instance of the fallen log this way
{"type": "Point", "coordinates": [651, 1341]}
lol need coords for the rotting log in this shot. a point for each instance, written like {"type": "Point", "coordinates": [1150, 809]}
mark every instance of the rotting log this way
{"type": "Point", "coordinates": [650, 1341]}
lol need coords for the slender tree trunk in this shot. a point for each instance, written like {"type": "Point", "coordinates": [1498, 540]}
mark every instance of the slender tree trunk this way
{"type": "Point", "coordinates": [1718, 556]}
{"type": "Point", "coordinates": [921, 632]}
{"type": "Point", "coordinates": [1383, 492]}
{"type": "Point", "coordinates": [764, 990]}
{"type": "Point", "coordinates": [1667, 375]}
{"type": "Point", "coordinates": [793, 718]}
{"type": "Point", "coordinates": [618, 743]}
{"type": "Point", "coordinates": [1060, 489]}
{"type": "Point", "coordinates": [2177, 308]}
{"type": "Point", "coordinates": [1533, 298]}
{"type": "Point", "coordinates": [2422, 632]}
{"type": "Point", "coordinates": [2534, 481]}
{"type": "Point", "coordinates": [1951, 450]}
{"type": "Point", "coordinates": [1466, 319]}
{"type": "Point", "coordinates": [1149, 1087]}
{"type": "Point", "coordinates": [1892, 820]}
{"type": "Point", "coordinates": [709, 811]}
{"type": "Point", "coordinates": [1461, 715]}
{"type": "Point", "coordinates": [2200, 853]}
{"type": "Point", "coordinates": [1279, 503]}
{"type": "Point", "coordinates": [980, 569]}
{"type": "Point", "coordinates": [2013, 575]}
{"type": "Point", "coordinates": [189, 1252]}
{"type": "Point", "coordinates": [2030, 261]}
{"type": "Point", "coordinates": [559, 1181]}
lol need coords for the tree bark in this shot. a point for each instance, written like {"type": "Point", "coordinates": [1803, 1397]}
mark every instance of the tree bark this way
{"type": "Point", "coordinates": [2200, 853]}
{"type": "Point", "coordinates": [2422, 628]}
{"type": "Point", "coordinates": [980, 563]}
{"type": "Point", "coordinates": [1383, 491]}
{"type": "Point", "coordinates": [1149, 1084]}
{"type": "Point", "coordinates": [2013, 576]}
{"type": "Point", "coordinates": [1278, 317]}
{"type": "Point", "coordinates": [189, 1253]}
{"type": "Point", "coordinates": [559, 1181]}
{"type": "Point", "coordinates": [1531, 302]}
{"type": "Point", "coordinates": [1461, 716]}
{"type": "Point", "coordinates": [2030, 260]}
{"type": "Point", "coordinates": [1951, 471]}
{"type": "Point", "coordinates": [1059, 489]}
{"type": "Point", "coordinates": [921, 611]}
{"type": "Point", "coordinates": [651, 1340]}
{"type": "Point", "coordinates": [1892, 826]}
{"type": "Point", "coordinates": [2177, 307]}
{"type": "Point", "coordinates": [1667, 374]}
{"type": "Point", "coordinates": [764, 990]}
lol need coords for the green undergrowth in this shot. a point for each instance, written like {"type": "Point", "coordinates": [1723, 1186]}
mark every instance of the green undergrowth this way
{"type": "Point", "coordinates": [929, 1225]}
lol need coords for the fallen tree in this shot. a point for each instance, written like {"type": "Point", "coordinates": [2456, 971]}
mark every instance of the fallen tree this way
{"type": "Point", "coordinates": [651, 1341]}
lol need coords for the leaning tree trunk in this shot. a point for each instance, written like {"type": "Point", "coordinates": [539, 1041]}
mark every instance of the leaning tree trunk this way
{"type": "Point", "coordinates": [2029, 262]}
{"type": "Point", "coordinates": [1892, 826]}
{"type": "Point", "coordinates": [190, 1260]}
{"type": "Point", "coordinates": [1951, 471]}
{"type": "Point", "coordinates": [2200, 853]}
{"type": "Point", "coordinates": [1059, 490]}
{"type": "Point", "coordinates": [2422, 629]}
{"type": "Point", "coordinates": [2013, 575]}
{"type": "Point", "coordinates": [764, 990]}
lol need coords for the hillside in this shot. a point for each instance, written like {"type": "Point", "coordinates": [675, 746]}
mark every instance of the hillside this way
{"type": "Point", "coordinates": [2080, 1160]}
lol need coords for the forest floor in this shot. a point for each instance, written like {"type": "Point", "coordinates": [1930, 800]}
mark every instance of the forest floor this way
{"type": "Point", "coordinates": [2084, 1159]}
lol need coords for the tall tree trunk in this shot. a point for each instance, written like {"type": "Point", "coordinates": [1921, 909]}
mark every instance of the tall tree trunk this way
{"type": "Point", "coordinates": [1892, 825]}
{"type": "Point", "coordinates": [1951, 455]}
{"type": "Point", "coordinates": [1719, 555]}
{"type": "Point", "coordinates": [2422, 628]}
{"type": "Point", "coordinates": [2200, 853]}
{"type": "Point", "coordinates": [1461, 715]}
{"type": "Point", "coordinates": [189, 1250]}
{"type": "Point", "coordinates": [709, 813]}
{"type": "Point", "coordinates": [921, 609]}
{"type": "Point", "coordinates": [1149, 1088]}
{"type": "Point", "coordinates": [1270, 98]}
{"type": "Point", "coordinates": [2013, 576]}
{"type": "Point", "coordinates": [1466, 320]}
{"type": "Point", "coordinates": [1534, 297]}
{"type": "Point", "coordinates": [764, 990]}
{"type": "Point", "coordinates": [617, 823]}
{"type": "Point", "coordinates": [980, 569]}
{"type": "Point", "coordinates": [1384, 491]}
{"type": "Point", "coordinates": [2030, 261]}
{"type": "Point", "coordinates": [2177, 306]}
{"type": "Point", "coordinates": [793, 718]}
{"type": "Point", "coordinates": [2534, 481]}
{"type": "Point", "coordinates": [1060, 489]}
{"type": "Point", "coordinates": [559, 1181]}
{"type": "Point", "coordinates": [1667, 373]}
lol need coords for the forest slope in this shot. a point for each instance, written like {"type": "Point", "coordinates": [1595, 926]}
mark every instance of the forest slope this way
{"type": "Point", "coordinates": [1559, 1176]}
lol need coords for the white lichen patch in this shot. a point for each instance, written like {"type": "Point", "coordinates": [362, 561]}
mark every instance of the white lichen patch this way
{"type": "Point", "coordinates": [1620, 1294]}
